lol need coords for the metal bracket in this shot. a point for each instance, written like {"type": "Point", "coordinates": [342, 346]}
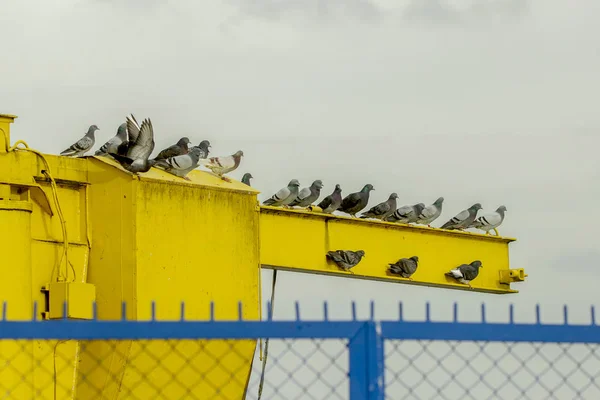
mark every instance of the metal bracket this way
{"type": "Point", "coordinates": [512, 275]}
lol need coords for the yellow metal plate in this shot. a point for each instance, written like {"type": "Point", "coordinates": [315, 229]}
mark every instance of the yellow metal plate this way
{"type": "Point", "coordinates": [298, 240]}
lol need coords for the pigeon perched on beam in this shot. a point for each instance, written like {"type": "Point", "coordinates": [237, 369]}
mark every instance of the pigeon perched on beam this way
{"type": "Point", "coordinates": [356, 202]}
{"type": "Point", "coordinates": [405, 267]}
{"type": "Point", "coordinates": [178, 149]}
{"type": "Point", "coordinates": [308, 195]}
{"type": "Point", "coordinates": [139, 146]}
{"type": "Point", "coordinates": [383, 210]}
{"type": "Point", "coordinates": [490, 221]}
{"type": "Point", "coordinates": [463, 219]}
{"type": "Point", "coordinates": [466, 272]}
{"type": "Point", "coordinates": [332, 202]}
{"type": "Point", "coordinates": [83, 145]}
{"type": "Point", "coordinates": [406, 214]}
{"type": "Point", "coordinates": [430, 213]}
{"type": "Point", "coordinates": [223, 165]}
{"type": "Point", "coordinates": [112, 145]}
{"type": "Point", "coordinates": [204, 147]}
{"type": "Point", "coordinates": [284, 196]}
{"type": "Point", "coordinates": [181, 165]}
{"type": "Point", "coordinates": [346, 259]}
{"type": "Point", "coordinates": [246, 178]}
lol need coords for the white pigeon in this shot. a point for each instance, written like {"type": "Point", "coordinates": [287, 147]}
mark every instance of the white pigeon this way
{"type": "Point", "coordinates": [114, 142]}
{"type": "Point", "coordinates": [83, 145]}
{"type": "Point", "coordinates": [431, 212]}
{"type": "Point", "coordinates": [490, 221]}
{"type": "Point", "coordinates": [284, 196]}
{"type": "Point", "coordinates": [181, 165]}
{"type": "Point", "coordinates": [223, 165]}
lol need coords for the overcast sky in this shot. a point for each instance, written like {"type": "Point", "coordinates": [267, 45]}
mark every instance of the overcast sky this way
{"type": "Point", "coordinates": [492, 101]}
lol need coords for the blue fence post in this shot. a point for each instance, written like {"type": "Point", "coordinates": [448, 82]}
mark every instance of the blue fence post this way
{"type": "Point", "coordinates": [366, 370]}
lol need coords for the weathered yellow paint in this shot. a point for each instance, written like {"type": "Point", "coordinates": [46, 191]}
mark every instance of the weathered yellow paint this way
{"type": "Point", "coordinates": [309, 236]}
{"type": "Point", "coordinates": [135, 239]}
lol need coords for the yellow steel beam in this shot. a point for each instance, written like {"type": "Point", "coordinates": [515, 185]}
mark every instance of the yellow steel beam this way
{"type": "Point", "coordinates": [297, 240]}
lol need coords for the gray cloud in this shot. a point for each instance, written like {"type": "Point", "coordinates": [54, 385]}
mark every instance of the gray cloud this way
{"type": "Point", "coordinates": [442, 11]}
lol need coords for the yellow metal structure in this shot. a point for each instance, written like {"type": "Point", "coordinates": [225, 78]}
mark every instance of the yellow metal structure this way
{"type": "Point", "coordinates": [310, 235]}
{"type": "Point", "coordinates": [125, 239]}
{"type": "Point", "coordinates": [83, 229]}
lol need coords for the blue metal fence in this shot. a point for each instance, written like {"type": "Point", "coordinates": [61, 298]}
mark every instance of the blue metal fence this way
{"type": "Point", "coordinates": [463, 373]}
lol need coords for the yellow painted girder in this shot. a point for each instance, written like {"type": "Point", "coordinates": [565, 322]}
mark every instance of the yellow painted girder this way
{"type": "Point", "coordinates": [298, 240]}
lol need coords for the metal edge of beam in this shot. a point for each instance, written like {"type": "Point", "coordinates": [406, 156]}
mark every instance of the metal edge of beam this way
{"type": "Point", "coordinates": [449, 286]}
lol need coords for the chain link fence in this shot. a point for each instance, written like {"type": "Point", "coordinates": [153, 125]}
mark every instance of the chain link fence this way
{"type": "Point", "coordinates": [66, 359]}
{"type": "Point", "coordinates": [491, 370]}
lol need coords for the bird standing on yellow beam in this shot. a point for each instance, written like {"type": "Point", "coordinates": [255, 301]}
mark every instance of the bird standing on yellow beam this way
{"type": "Point", "coordinates": [405, 267]}
{"type": "Point", "coordinates": [431, 212]}
{"type": "Point", "coordinates": [356, 202]}
{"type": "Point", "coordinates": [83, 145]}
{"type": "Point", "coordinates": [463, 219]}
{"type": "Point", "coordinates": [284, 196]}
{"type": "Point", "coordinates": [112, 145]}
{"type": "Point", "coordinates": [383, 210]}
{"type": "Point", "coordinates": [223, 165]}
{"type": "Point", "coordinates": [178, 149]}
{"type": "Point", "coordinates": [406, 214]}
{"type": "Point", "coordinates": [332, 202]}
{"type": "Point", "coordinates": [308, 195]}
{"type": "Point", "coordinates": [346, 259]}
{"type": "Point", "coordinates": [181, 165]}
{"type": "Point", "coordinates": [490, 221]}
{"type": "Point", "coordinates": [466, 272]}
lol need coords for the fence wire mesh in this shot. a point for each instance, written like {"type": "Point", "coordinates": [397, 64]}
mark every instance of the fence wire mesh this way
{"type": "Point", "coordinates": [491, 370]}
{"type": "Point", "coordinates": [172, 369]}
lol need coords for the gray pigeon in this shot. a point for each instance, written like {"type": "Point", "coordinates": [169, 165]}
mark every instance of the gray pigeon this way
{"type": "Point", "coordinates": [383, 210]}
{"type": "Point", "coordinates": [463, 219]}
{"type": "Point", "coordinates": [204, 147]}
{"type": "Point", "coordinates": [113, 144]}
{"type": "Point", "coordinates": [466, 272]}
{"type": "Point", "coordinates": [308, 195]}
{"type": "Point", "coordinates": [405, 267]}
{"type": "Point", "coordinates": [83, 145]}
{"type": "Point", "coordinates": [346, 259]}
{"type": "Point", "coordinates": [406, 214]}
{"type": "Point", "coordinates": [178, 149]}
{"type": "Point", "coordinates": [224, 164]}
{"type": "Point", "coordinates": [356, 202]}
{"type": "Point", "coordinates": [181, 165]}
{"type": "Point", "coordinates": [284, 196]}
{"type": "Point", "coordinates": [431, 212]}
{"type": "Point", "coordinates": [331, 203]}
{"type": "Point", "coordinates": [490, 221]}
{"type": "Point", "coordinates": [140, 145]}
{"type": "Point", "coordinates": [246, 178]}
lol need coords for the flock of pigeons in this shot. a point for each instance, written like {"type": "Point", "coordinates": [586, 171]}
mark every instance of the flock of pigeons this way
{"type": "Point", "coordinates": [404, 267]}
{"type": "Point", "coordinates": [133, 144]}
{"type": "Point", "coordinates": [354, 203]}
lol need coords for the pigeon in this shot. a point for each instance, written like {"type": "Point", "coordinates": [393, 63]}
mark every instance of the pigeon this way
{"type": "Point", "coordinates": [405, 267]}
{"type": "Point", "coordinates": [382, 210]}
{"type": "Point", "coordinates": [113, 144]}
{"type": "Point", "coordinates": [346, 259]}
{"type": "Point", "coordinates": [138, 147]}
{"type": "Point", "coordinates": [246, 178]}
{"type": "Point", "coordinates": [309, 194]}
{"type": "Point", "coordinates": [83, 145]}
{"type": "Point", "coordinates": [204, 147]}
{"type": "Point", "coordinates": [466, 272]}
{"type": "Point", "coordinates": [331, 203]}
{"type": "Point", "coordinates": [356, 202]}
{"type": "Point", "coordinates": [223, 165]}
{"type": "Point", "coordinates": [406, 214]}
{"type": "Point", "coordinates": [178, 149]}
{"type": "Point", "coordinates": [284, 196]}
{"type": "Point", "coordinates": [490, 221]}
{"type": "Point", "coordinates": [430, 213]}
{"type": "Point", "coordinates": [463, 219]}
{"type": "Point", "coordinates": [181, 165]}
